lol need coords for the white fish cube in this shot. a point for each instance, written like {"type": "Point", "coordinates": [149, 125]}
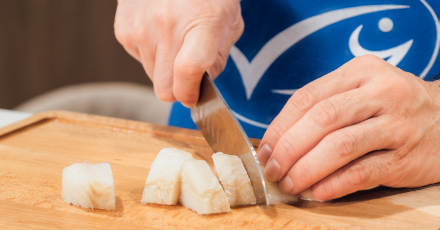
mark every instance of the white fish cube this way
{"type": "Point", "coordinates": [89, 186]}
{"type": "Point", "coordinates": [163, 181]}
{"type": "Point", "coordinates": [234, 178]}
{"type": "Point", "coordinates": [201, 190]}
{"type": "Point", "coordinates": [274, 194]}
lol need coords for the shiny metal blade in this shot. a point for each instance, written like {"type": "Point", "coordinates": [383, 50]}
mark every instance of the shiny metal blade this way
{"type": "Point", "coordinates": [224, 134]}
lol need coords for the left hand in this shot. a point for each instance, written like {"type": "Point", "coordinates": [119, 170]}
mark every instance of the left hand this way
{"type": "Point", "coordinates": [368, 123]}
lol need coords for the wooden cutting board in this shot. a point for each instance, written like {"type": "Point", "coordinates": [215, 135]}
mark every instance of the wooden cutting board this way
{"type": "Point", "coordinates": [33, 153]}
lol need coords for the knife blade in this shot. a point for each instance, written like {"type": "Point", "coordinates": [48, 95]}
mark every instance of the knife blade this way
{"type": "Point", "coordinates": [224, 133]}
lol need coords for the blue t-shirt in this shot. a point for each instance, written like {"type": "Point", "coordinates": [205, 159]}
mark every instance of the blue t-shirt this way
{"type": "Point", "coordinates": [286, 44]}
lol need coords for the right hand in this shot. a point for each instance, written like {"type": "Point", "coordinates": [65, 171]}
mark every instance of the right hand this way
{"type": "Point", "coordinates": [178, 40]}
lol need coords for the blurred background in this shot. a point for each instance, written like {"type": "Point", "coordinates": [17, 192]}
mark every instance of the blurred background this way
{"type": "Point", "coordinates": [56, 48]}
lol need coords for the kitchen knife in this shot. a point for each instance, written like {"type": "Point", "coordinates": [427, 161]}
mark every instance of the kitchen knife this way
{"type": "Point", "coordinates": [224, 133]}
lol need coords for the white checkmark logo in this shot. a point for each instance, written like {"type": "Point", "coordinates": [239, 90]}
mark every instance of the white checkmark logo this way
{"type": "Point", "coordinates": [252, 72]}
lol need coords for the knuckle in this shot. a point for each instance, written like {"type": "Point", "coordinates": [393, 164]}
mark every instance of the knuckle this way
{"type": "Point", "coordinates": [160, 20]}
{"type": "Point", "coordinates": [368, 59]}
{"type": "Point", "coordinates": [208, 15]}
{"type": "Point", "coordinates": [325, 114]}
{"type": "Point", "coordinates": [304, 98]}
{"type": "Point", "coordinates": [401, 86]}
{"type": "Point", "coordinates": [342, 145]}
{"type": "Point", "coordinates": [139, 32]}
{"type": "Point", "coordinates": [212, 13]}
{"type": "Point", "coordinates": [326, 191]}
{"type": "Point", "coordinates": [368, 63]}
{"type": "Point", "coordinates": [399, 158]}
{"type": "Point", "coordinates": [276, 128]}
{"type": "Point", "coordinates": [217, 14]}
{"type": "Point", "coordinates": [285, 149]}
{"type": "Point", "coordinates": [162, 17]}
{"type": "Point", "coordinates": [222, 59]}
{"type": "Point", "coordinates": [304, 175]}
{"type": "Point", "coordinates": [121, 34]}
{"type": "Point", "coordinates": [399, 134]}
{"type": "Point", "coordinates": [219, 65]}
{"type": "Point", "coordinates": [356, 175]}
{"type": "Point", "coordinates": [402, 173]}
{"type": "Point", "coordinates": [239, 27]}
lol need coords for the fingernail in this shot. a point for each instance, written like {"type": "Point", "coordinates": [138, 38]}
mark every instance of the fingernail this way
{"type": "Point", "coordinates": [306, 194]}
{"type": "Point", "coordinates": [272, 171]}
{"type": "Point", "coordinates": [264, 154]}
{"type": "Point", "coordinates": [286, 185]}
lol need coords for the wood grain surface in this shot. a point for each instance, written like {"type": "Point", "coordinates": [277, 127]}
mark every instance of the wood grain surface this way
{"type": "Point", "coordinates": [34, 151]}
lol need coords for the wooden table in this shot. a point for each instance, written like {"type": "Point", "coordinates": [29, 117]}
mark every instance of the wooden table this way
{"type": "Point", "coordinates": [34, 151]}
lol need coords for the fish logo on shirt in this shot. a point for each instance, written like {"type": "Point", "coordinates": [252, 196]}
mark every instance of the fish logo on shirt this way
{"type": "Point", "coordinates": [252, 71]}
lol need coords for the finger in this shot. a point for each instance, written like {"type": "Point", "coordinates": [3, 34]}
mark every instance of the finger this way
{"type": "Point", "coordinates": [221, 59]}
{"type": "Point", "coordinates": [146, 48]}
{"type": "Point", "coordinates": [327, 116]}
{"type": "Point", "coordinates": [197, 54]}
{"type": "Point", "coordinates": [351, 75]}
{"type": "Point", "coordinates": [336, 150]}
{"type": "Point", "coordinates": [223, 53]}
{"type": "Point", "coordinates": [125, 13]}
{"type": "Point", "coordinates": [366, 172]}
{"type": "Point", "coordinates": [163, 79]}
{"type": "Point", "coordinates": [147, 61]}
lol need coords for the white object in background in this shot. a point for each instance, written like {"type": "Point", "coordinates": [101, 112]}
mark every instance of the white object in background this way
{"type": "Point", "coordinates": [111, 99]}
{"type": "Point", "coordinates": [8, 117]}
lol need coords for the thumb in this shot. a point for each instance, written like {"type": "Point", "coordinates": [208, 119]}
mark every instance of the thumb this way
{"type": "Point", "coordinates": [198, 52]}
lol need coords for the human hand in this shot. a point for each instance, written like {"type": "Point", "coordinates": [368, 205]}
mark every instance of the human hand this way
{"type": "Point", "coordinates": [367, 123]}
{"type": "Point", "coordinates": [178, 40]}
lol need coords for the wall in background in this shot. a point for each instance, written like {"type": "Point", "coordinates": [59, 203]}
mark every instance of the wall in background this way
{"type": "Point", "coordinates": [47, 44]}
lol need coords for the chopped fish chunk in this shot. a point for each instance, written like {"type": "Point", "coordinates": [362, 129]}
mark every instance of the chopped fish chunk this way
{"type": "Point", "coordinates": [234, 178]}
{"type": "Point", "coordinates": [201, 190]}
{"type": "Point", "coordinates": [274, 195]}
{"type": "Point", "coordinates": [89, 186]}
{"type": "Point", "coordinates": [163, 181]}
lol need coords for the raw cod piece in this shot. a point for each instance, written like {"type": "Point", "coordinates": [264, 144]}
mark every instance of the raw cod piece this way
{"type": "Point", "coordinates": [234, 178]}
{"type": "Point", "coordinates": [200, 189]}
{"type": "Point", "coordinates": [274, 195]}
{"type": "Point", "coordinates": [163, 181]}
{"type": "Point", "coordinates": [89, 186]}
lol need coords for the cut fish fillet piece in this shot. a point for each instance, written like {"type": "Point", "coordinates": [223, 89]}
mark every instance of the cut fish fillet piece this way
{"type": "Point", "coordinates": [234, 178]}
{"type": "Point", "coordinates": [163, 181]}
{"type": "Point", "coordinates": [274, 195]}
{"type": "Point", "coordinates": [89, 186]}
{"type": "Point", "coordinates": [201, 190]}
